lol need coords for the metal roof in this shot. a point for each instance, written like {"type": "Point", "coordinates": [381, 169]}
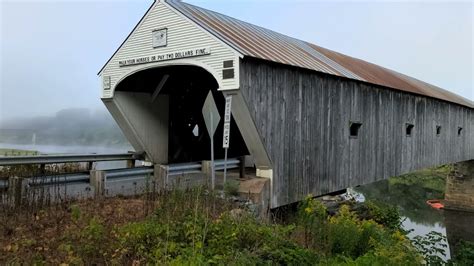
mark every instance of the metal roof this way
{"type": "Point", "coordinates": [254, 41]}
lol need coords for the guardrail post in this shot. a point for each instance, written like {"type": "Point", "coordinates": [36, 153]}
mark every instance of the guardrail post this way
{"type": "Point", "coordinates": [16, 189]}
{"type": "Point", "coordinates": [97, 181]}
{"type": "Point", "coordinates": [160, 175]}
{"type": "Point", "coordinates": [206, 169]}
{"type": "Point", "coordinates": [90, 166]}
{"type": "Point", "coordinates": [42, 169]}
{"type": "Point", "coordinates": [131, 163]}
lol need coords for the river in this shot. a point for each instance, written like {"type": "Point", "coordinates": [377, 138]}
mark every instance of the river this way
{"type": "Point", "coordinates": [48, 149]}
{"type": "Point", "coordinates": [410, 197]}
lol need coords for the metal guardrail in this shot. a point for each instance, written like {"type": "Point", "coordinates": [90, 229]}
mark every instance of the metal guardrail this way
{"type": "Point", "coordinates": [184, 168]}
{"type": "Point", "coordinates": [112, 174]}
{"type": "Point", "coordinates": [51, 159]}
{"type": "Point", "coordinates": [128, 172]}
{"type": "Point", "coordinates": [59, 179]}
{"type": "Point", "coordinates": [231, 164]}
{"type": "Point", "coordinates": [196, 167]}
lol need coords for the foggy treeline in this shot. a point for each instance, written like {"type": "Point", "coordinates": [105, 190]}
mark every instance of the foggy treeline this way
{"type": "Point", "coordinates": [66, 127]}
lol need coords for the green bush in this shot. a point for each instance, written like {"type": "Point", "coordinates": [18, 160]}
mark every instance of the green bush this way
{"type": "Point", "coordinates": [385, 214]}
{"type": "Point", "coordinates": [464, 254]}
{"type": "Point", "coordinates": [346, 239]}
{"type": "Point", "coordinates": [432, 247]}
{"type": "Point", "coordinates": [195, 227]}
{"type": "Point", "coordinates": [138, 240]}
{"type": "Point", "coordinates": [313, 218]}
{"type": "Point", "coordinates": [75, 213]}
{"type": "Point", "coordinates": [231, 187]}
{"type": "Point", "coordinates": [197, 239]}
{"type": "Point", "coordinates": [89, 243]}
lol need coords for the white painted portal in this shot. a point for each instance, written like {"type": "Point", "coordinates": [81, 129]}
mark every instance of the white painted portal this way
{"type": "Point", "coordinates": [166, 37]}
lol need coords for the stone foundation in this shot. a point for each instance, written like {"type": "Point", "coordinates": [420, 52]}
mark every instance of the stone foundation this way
{"type": "Point", "coordinates": [460, 187]}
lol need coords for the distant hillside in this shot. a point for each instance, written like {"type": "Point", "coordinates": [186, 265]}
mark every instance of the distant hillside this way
{"type": "Point", "coordinates": [67, 127]}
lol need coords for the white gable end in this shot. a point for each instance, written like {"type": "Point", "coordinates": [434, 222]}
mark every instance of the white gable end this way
{"type": "Point", "coordinates": [183, 43]}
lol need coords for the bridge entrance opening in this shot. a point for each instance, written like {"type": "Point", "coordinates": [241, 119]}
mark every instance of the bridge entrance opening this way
{"type": "Point", "coordinates": [183, 89]}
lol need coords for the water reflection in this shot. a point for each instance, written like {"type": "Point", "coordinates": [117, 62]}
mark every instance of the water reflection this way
{"type": "Point", "coordinates": [410, 198]}
{"type": "Point", "coordinates": [420, 218]}
{"type": "Point", "coordinates": [459, 226]}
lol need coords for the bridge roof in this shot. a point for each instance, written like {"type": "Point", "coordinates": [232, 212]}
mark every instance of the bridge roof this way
{"type": "Point", "coordinates": [254, 41]}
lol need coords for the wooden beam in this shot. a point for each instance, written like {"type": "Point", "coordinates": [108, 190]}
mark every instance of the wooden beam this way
{"type": "Point", "coordinates": [159, 87]}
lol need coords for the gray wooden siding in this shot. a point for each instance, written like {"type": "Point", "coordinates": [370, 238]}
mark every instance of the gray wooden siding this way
{"type": "Point", "coordinates": [303, 119]}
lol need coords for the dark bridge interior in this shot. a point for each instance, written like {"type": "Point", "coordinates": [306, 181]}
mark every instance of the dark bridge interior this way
{"type": "Point", "coordinates": [187, 88]}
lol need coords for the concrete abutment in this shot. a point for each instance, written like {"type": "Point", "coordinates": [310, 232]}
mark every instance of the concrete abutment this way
{"type": "Point", "coordinates": [460, 187]}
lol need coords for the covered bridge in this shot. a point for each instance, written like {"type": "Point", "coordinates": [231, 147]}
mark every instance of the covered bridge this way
{"type": "Point", "coordinates": [313, 120]}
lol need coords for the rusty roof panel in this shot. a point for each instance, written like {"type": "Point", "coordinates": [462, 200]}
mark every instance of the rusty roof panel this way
{"type": "Point", "coordinates": [254, 41]}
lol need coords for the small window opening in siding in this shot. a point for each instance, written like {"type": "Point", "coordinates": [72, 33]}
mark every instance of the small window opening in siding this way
{"type": "Point", "coordinates": [228, 63]}
{"type": "Point", "coordinates": [354, 128]}
{"type": "Point", "coordinates": [459, 131]}
{"type": "Point", "coordinates": [409, 129]}
{"type": "Point", "coordinates": [228, 73]}
{"type": "Point", "coordinates": [438, 130]}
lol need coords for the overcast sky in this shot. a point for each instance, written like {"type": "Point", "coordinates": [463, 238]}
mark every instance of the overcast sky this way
{"type": "Point", "coordinates": [51, 51]}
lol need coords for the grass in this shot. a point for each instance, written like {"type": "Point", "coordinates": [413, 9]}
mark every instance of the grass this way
{"type": "Point", "coordinates": [194, 227]}
{"type": "Point", "coordinates": [200, 227]}
{"type": "Point", "coordinates": [16, 152]}
{"type": "Point", "coordinates": [430, 178]}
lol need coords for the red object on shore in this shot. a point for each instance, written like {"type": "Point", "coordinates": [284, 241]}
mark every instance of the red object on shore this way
{"type": "Point", "coordinates": [437, 204]}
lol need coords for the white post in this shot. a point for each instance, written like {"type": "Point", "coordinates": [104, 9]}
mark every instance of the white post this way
{"type": "Point", "coordinates": [225, 166]}
{"type": "Point", "coordinates": [225, 145]}
{"type": "Point", "coordinates": [213, 174]}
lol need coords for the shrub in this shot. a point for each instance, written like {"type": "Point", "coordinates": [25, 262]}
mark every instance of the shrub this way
{"type": "Point", "coordinates": [344, 232]}
{"type": "Point", "coordinates": [231, 187]}
{"type": "Point", "coordinates": [92, 239]}
{"type": "Point", "coordinates": [199, 240]}
{"type": "Point", "coordinates": [75, 213]}
{"type": "Point", "coordinates": [139, 240]}
{"type": "Point", "coordinates": [313, 218]}
{"type": "Point", "coordinates": [346, 239]}
{"type": "Point", "coordinates": [432, 247]}
{"type": "Point", "coordinates": [464, 254]}
{"type": "Point", "coordinates": [385, 214]}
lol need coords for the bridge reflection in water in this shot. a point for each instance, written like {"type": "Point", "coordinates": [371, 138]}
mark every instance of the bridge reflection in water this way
{"type": "Point", "coordinates": [459, 226]}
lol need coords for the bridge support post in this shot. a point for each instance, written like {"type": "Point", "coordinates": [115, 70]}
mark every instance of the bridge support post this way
{"type": "Point", "coordinates": [460, 187]}
{"type": "Point", "coordinates": [97, 181]}
{"type": "Point", "coordinates": [242, 167]}
{"type": "Point", "coordinates": [258, 191]}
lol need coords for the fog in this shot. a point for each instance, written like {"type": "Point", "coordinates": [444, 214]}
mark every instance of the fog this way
{"type": "Point", "coordinates": [68, 127]}
{"type": "Point", "coordinates": [51, 51]}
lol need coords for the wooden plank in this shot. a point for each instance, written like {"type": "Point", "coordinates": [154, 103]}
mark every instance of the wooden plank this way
{"type": "Point", "coordinates": [303, 118]}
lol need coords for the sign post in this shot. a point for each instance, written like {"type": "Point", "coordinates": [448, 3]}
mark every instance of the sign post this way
{"type": "Point", "coordinates": [226, 139]}
{"type": "Point", "coordinates": [211, 119]}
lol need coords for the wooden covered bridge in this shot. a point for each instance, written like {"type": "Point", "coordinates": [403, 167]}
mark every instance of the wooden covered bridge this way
{"type": "Point", "coordinates": [312, 120]}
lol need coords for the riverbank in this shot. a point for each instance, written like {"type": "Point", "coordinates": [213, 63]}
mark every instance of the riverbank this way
{"type": "Point", "coordinates": [66, 149]}
{"type": "Point", "coordinates": [197, 227]}
{"type": "Point", "coordinates": [409, 194]}
{"type": "Point", "coordinates": [17, 152]}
